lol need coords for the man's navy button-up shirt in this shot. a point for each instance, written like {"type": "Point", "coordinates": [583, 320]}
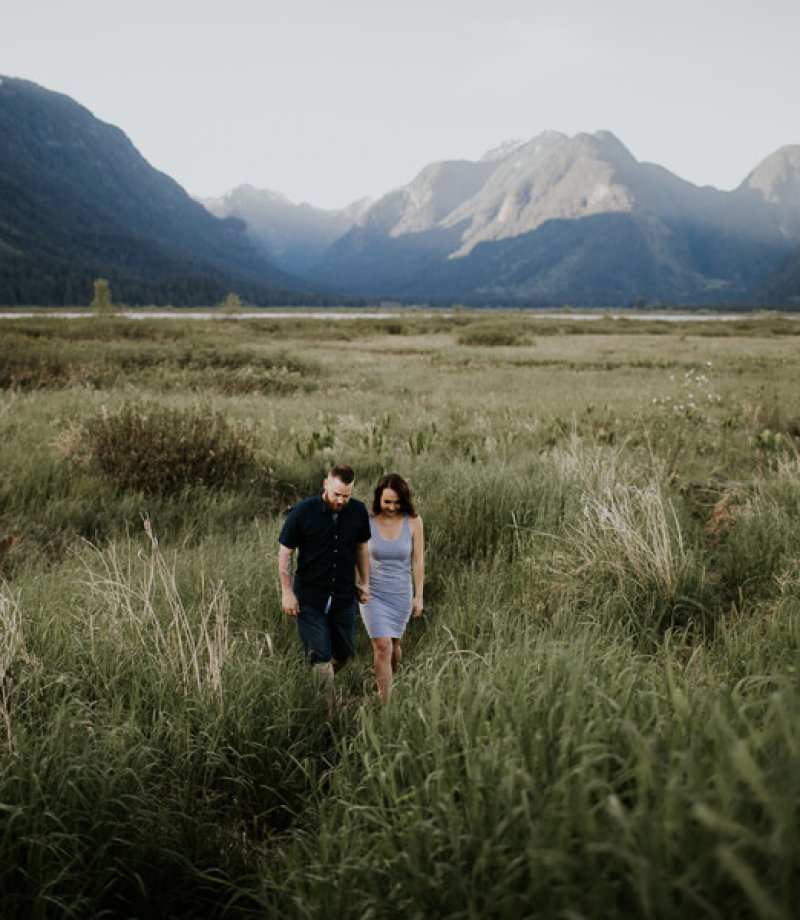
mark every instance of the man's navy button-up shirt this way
{"type": "Point", "coordinates": [326, 547]}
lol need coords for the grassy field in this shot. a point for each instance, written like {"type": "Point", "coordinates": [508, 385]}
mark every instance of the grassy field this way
{"type": "Point", "coordinates": [597, 717]}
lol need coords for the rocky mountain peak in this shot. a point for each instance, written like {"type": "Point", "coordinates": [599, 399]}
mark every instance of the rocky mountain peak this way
{"type": "Point", "coordinates": [771, 193]}
{"type": "Point", "coordinates": [502, 150]}
{"type": "Point", "coordinates": [777, 178]}
{"type": "Point", "coordinates": [550, 177]}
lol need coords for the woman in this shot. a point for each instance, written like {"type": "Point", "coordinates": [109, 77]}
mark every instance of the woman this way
{"type": "Point", "coordinates": [397, 573]}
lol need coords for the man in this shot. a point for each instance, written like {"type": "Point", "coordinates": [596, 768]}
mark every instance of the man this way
{"type": "Point", "coordinates": [331, 532]}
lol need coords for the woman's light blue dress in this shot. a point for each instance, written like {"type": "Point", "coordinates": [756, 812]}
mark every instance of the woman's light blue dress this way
{"type": "Point", "coordinates": [390, 586]}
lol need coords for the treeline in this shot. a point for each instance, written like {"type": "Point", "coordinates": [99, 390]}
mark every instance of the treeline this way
{"type": "Point", "coordinates": [40, 282]}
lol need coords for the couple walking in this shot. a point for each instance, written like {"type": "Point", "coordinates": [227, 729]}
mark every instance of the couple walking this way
{"type": "Point", "coordinates": [348, 554]}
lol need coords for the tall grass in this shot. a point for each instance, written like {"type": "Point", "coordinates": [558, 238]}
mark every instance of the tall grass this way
{"type": "Point", "coordinates": [150, 746]}
{"type": "Point", "coordinates": [596, 716]}
{"type": "Point", "coordinates": [555, 771]}
{"type": "Point", "coordinates": [628, 553]}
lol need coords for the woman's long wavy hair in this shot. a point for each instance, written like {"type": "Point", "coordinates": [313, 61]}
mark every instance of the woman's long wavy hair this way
{"type": "Point", "coordinates": [396, 483]}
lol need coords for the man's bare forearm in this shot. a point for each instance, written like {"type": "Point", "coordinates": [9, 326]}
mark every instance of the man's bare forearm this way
{"type": "Point", "coordinates": [288, 599]}
{"type": "Point", "coordinates": [285, 567]}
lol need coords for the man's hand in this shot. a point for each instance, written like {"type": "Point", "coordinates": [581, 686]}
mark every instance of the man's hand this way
{"type": "Point", "coordinates": [289, 603]}
{"type": "Point", "coordinates": [362, 573]}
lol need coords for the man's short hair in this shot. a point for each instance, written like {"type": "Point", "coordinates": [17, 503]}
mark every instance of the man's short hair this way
{"type": "Point", "coordinates": [345, 474]}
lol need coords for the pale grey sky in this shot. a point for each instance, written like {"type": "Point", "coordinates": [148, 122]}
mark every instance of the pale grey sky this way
{"type": "Point", "coordinates": [328, 101]}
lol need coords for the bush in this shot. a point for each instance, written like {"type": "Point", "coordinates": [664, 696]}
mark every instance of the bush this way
{"type": "Point", "coordinates": [162, 451]}
{"type": "Point", "coordinates": [495, 333]}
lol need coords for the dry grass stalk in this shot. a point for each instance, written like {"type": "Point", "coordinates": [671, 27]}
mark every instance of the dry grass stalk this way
{"type": "Point", "coordinates": [197, 641]}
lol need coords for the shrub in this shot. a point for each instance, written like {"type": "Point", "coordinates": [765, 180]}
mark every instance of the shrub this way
{"type": "Point", "coordinates": [495, 333]}
{"type": "Point", "coordinates": [162, 451]}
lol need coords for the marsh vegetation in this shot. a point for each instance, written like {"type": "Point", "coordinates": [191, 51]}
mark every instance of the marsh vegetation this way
{"type": "Point", "coordinates": [597, 716]}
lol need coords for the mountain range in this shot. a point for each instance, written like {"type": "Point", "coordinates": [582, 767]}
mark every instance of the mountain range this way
{"type": "Point", "coordinates": [552, 221]}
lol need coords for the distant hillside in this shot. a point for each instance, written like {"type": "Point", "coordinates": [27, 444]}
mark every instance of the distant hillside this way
{"type": "Point", "coordinates": [293, 236]}
{"type": "Point", "coordinates": [77, 202]}
{"type": "Point", "coordinates": [783, 288]}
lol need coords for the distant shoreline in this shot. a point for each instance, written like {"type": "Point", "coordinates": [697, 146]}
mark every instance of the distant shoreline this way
{"type": "Point", "coordinates": [532, 313]}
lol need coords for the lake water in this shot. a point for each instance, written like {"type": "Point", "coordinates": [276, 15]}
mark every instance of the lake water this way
{"type": "Point", "coordinates": [338, 315]}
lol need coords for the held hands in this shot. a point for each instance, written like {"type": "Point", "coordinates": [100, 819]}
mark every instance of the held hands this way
{"type": "Point", "coordinates": [362, 591]}
{"type": "Point", "coordinates": [289, 603]}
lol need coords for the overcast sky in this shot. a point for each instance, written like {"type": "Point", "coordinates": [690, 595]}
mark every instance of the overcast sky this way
{"type": "Point", "coordinates": [328, 101]}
